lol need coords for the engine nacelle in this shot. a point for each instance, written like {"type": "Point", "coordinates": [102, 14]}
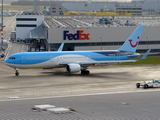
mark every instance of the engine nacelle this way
{"type": "Point", "coordinates": [70, 68]}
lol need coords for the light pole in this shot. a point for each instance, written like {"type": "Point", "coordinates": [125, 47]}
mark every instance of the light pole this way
{"type": "Point", "coordinates": [147, 42]}
{"type": "Point", "coordinates": [2, 26]}
{"type": "Point", "coordinates": [101, 42]}
{"type": "Point", "coordinates": [2, 16]}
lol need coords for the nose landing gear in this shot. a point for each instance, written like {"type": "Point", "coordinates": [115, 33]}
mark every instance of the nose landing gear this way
{"type": "Point", "coordinates": [16, 73]}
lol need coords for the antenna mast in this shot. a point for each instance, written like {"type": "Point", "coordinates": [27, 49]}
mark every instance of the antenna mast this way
{"type": "Point", "coordinates": [36, 8]}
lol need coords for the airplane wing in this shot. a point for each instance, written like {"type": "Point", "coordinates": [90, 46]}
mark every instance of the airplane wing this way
{"type": "Point", "coordinates": [106, 62]}
{"type": "Point", "coordinates": [97, 62]}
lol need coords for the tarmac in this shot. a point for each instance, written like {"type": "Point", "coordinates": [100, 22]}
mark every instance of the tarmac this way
{"type": "Point", "coordinates": [108, 93]}
{"type": "Point", "coordinates": [121, 106]}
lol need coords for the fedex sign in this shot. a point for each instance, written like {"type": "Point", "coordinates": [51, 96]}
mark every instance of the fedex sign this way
{"type": "Point", "coordinates": [80, 35]}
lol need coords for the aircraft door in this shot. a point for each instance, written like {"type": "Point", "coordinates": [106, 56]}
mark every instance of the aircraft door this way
{"type": "Point", "coordinates": [89, 57]}
{"type": "Point", "coordinates": [118, 55]}
{"type": "Point", "coordinates": [51, 57]}
{"type": "Point", "coordinates": [23, 59]}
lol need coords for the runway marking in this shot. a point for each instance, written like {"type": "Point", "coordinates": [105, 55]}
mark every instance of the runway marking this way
{"type": "Point", "coordinates": [20, 47]}
{"type": "Point", "coordinates": [124, 92]}
{"type": "Point", "coordinates": [41, 75]}
{"type": "Point", "coordinates": [8, 50]}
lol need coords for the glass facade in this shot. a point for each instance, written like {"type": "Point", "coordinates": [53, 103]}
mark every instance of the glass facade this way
{"type": "Point", "coordinates": [26, 19]}
{"type": "Point", "coordinates": [133, 10]}
{"type": "Point", "coordinates": [23, 25]}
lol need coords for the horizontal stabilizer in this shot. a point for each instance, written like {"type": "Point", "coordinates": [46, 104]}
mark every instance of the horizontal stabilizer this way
{"type": "Point", "coordinates": [145, 55]}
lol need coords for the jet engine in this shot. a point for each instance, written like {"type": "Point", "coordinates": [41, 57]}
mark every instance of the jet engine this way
{"type": "Point", "coordinates": [70, 68]}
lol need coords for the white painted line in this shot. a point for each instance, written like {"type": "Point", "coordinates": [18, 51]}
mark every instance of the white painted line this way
{"type": "Point", "coordinates": [19, 50]}
{"type": "Point", "coordinates": [9, 48]}
{"type": "Point", "coordinates": [22, 48]}
{"type": "Point", "coordinates": [112, 93]}
{"type": "Point", "coordinates": [13, 97]}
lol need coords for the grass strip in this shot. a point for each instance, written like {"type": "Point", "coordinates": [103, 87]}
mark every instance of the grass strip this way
{"type": "Point", "coordinates": [147, 61]}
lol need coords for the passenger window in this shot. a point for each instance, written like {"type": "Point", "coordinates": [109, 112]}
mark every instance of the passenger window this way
{"type": "Point", "coordinates": [13, 58]}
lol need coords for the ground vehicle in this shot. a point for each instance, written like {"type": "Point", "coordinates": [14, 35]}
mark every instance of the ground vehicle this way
{"type": "Point", "coordinates": [153, 83]}
{"type": "Point", "coordinates": [105, 21]}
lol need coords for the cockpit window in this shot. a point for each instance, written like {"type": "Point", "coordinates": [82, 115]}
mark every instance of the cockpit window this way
{"type": "Point", "coordinates": [13, 58]}
{"type": "Point", "coordinates": [155, 81]}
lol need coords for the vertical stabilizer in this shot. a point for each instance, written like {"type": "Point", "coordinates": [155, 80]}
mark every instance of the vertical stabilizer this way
{"type": "Point", "coordinates": [61, 47]}
{"type": "Point", "coordinates": [131, 43]}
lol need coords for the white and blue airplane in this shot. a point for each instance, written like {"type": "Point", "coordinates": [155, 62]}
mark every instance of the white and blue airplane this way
{"type": "Point", "coordinates": [76, 61]}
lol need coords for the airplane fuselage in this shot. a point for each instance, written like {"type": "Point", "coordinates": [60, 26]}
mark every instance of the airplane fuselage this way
{"type": "Point", "coordinates": [30, 60]}
{"type": "Point", "coordinates": [76, 61]}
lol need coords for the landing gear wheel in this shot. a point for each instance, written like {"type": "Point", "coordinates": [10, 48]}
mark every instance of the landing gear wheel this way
{"type": "Point", "coordinates": [85, 71]}
{"type": "Point", "coordinates": [138, 85]}
{"type": "Point", "coordinates": [17, 73]}
{"type": "Point", "coordinates": [145, 86]}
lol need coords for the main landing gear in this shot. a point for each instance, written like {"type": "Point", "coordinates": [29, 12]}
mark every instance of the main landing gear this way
{"type": "Point", "coordinates": [16, 73]}
{"type": "Point", "coordinates": [85, 71]}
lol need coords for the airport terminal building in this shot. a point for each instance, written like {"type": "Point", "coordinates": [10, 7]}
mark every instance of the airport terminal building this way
{"type": "Point", "coordinates": [85, 32]}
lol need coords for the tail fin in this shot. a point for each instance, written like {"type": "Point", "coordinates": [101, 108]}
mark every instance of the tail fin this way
{"type": "Point", "coordinates": [131, 43]}
{"type": "Point", "coordinates": [61, 47]}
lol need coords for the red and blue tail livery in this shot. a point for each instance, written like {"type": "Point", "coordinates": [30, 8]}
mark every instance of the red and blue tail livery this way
{"type": "Point", "coordinates": [131, 43]}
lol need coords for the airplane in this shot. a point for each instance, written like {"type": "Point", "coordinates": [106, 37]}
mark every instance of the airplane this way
{"type": "Point", "coordinates": [76, 61]}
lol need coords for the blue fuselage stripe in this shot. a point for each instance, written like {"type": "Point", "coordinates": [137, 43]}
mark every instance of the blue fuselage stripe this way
{"type": "Point", "coordinates": [40, 57]}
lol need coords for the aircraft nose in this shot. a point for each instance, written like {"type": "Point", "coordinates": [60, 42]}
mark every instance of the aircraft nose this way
{"type": "Point", "coordinates": [8, 61]}
{"type": "Point", "coordinates": [5, 61]}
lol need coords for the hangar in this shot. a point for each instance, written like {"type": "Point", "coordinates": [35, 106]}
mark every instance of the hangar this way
{"type": "Point", "coordinates": [85, 32]}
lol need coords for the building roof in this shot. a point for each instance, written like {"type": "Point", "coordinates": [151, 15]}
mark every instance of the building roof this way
{"type": "Point", "coordinates": [38, 32]}
{"type": "Point", "coordinates": [94, 22]}
{"type": "Point", "coordinates": [30, 12]}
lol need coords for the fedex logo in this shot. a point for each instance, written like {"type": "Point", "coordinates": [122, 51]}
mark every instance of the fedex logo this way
{"type": "Point", "coordinates": [80, 35]}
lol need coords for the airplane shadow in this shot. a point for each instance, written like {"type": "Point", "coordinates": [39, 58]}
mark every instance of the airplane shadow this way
{"type": "Point", "coordinates": [98, 75]}
{"type": "Point", "coordinates": [112, 75]}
